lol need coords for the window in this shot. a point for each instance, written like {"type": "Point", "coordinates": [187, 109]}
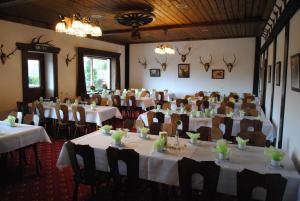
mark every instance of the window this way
{"type": "Point", "coordinates": [34, 79]}
{"type": "Point", "coordinates": [97, 72]}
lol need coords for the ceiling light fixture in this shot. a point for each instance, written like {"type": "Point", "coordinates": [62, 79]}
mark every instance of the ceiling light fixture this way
{"type": "Point", "coordinates": [164, 48]}
{"type": "Point", "coordinates": [77, 26]}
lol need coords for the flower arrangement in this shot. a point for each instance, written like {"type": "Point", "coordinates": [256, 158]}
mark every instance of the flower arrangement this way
{"type": "Point", "coordinates": [93, 105]}
{"type": "Point", "coordinates": [159, 144]}
{"type": "Point", "coordinates": [10, 120]}
{"type": "Point", "coordinates": [106, 129]}
{"type": "Point", "coordinates": [144, 130]}
{"type": "Point", "coordinates": [222, 149]}
{"type": "Point", "coordinates": [276, 155]}
{"type": "Point", "coordinates": [193, 137]}
{"type": "Point", "coordinates": [57, 100]}
{"type": "Point", "coordinates": [241, 142]}
{"type": "Point", "coordinates": [117, 136]}
{"type": "Point", "coordinates": [164, 136]}
{"type": "Point", "coordinates": [93, 88]}
{"type": "Point", "coordinates": [41, 99]}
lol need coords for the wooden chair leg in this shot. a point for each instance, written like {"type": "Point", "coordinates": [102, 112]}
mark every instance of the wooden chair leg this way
{"type": "Point", "coordinates": [38, 164]}
{"type": "Point", "coordinates": [75, 192]}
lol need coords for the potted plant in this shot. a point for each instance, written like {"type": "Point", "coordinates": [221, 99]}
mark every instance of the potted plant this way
{"type": "Point", "coordinates": [117, 137]}
{"type": "Point", "coordinates": [106, 129]}
{"type": "Point", "coordinates": [241, 143]}
{"type": "Point", "coordinates": [222, 149]}
{"type": "Point", "coordinates": [193, 137]}
{"type": "Point", "coordinates": [276, 155]}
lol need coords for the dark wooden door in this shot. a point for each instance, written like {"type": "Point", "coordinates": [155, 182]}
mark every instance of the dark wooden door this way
{"type": "Point", "coordinates": [34, 74]}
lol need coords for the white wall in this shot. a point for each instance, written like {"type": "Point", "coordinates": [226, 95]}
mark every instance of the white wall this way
{"type": "Point", "coordinates": [291, 131]}
{"type": "Point", "coordinates": [11, 74]}
{"type": "Point", "coordinates": [269, 85]}
{"type": "Point", "coordinates": [239, 80]}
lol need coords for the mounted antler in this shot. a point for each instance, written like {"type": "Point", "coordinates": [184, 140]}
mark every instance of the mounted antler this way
{"type": "Point", "coordinates": [36, 41]}
{"type": "Point", "coordinates": [4, 56]}
{"type": "Point", "coordinates": [68, 59]}
{"type": "Point", "coordinates": [143, 62]}
{"type": "Point", "coordinates": [229, 65]}
{"type": "Point", "coordinates": [183, 56]}
{"type": "Point", "coordinates": [162, 64]}
{"type": "Point", "coordinates": [206, 64]}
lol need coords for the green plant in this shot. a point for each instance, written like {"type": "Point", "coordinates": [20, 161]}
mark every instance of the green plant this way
{"type": "Point", "coordinates": [274, 154]}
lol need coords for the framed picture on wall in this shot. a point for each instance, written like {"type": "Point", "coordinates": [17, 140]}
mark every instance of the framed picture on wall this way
{"type": "Point", "coordinates": [278, 73]}
{"type": "Point", "coordinates": [269, 74]}
{"type": "Point", "coordinates": [183, 70]}
{"type": "Point", "coordinates": [217, 74]}
{"type": "Point", "coordinates": [154, 72]}
{"type": "Point", "coordinates": [295, 72]}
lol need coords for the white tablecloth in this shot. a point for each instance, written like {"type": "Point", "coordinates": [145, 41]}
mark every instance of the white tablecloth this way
{"type": "Point", "coordinates": [12, 138]}
{"type": "Point", "coordinates": [97, 115]}
{"type": "Point", "coordinates": [195, 123]}
{"type": "Point", "coordinates": [162, 167]}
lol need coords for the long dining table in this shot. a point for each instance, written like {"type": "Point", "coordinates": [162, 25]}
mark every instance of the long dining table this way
{"type": "Point", "coordinates": [162, 166]}
{"type": "Point", "coordinates": [197, 122]}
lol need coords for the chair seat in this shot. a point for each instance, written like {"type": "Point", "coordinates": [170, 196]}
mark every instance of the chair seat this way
{"type": "Point", "coordinates": [99, 178]}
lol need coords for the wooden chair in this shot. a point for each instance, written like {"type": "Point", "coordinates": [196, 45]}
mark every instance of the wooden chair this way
{"type": "Point", "coordinates": [185, 125]}
{"type": "Point", "coordinates": [166, 106]}
{"type": "Point", "coordinates": [62, 122]}
{"type": "Point", "coordinates": [160, 117]}
{"type": "Point", "coordinates": [230, 104]}
{"type": "Point", "coordinates": [199, 94]}
{"type": "Point", "coordinates": [43, 121]}
{"type": "Point", "coordinates": [258, 139]}
{"type": "Point", "coordinates": [145, 94]}
{"type": "Point", "coordinates": [86, 174]}
{"type": "Point", "coordinates": [207, 169]}
{"type": "Point", "coordinates": [23, 108]}
{"type": "Point", "coordinates": [155, 128]}
{"type": "Point", "coordinates": [199, 104]}
{"type": "Point", "coordinates": [228, 122]}
{"type": "Point", "coordinates": [174, 118]}
{"type": "Point", "coordinates": [205, 104]}
{"type": "Point", "coordinates": [245, 106]}
{"type": "Point", "coordinates": [205, 133]}
{"type": "Point", "coordinates": [181, 101]}
{"type": "Point", "coordinates": [216, 133]}
{"type": "Point", "coordinates": [132, 108]}
{"type": "Point", "coordinates": [150, 117]}
{"type": "Point", "coordinates": [80, 124]}
{"type": "Point", "coordinates": [28, 119]}
{"type": "Point", "coordinates": [129, 124]}
{"type": "Point", "coordinates": [251, 112]}
{"type": "Point", "coordinates": [138, 124]}
{"type": "Point", "coordinates": [246, 124]}
{"type": "Point", "coordinates": [159, 97]}
{"type": "Point", "coordinates": [188, 107]}
{"type": "Point", "coordinates": [224, 110]}
{"type": "Point", "coordinates": [248, 180]}
{"type": "Point", "coordinates": [167, 127]}
{"type": "Point", "coordinates": [98, 99]}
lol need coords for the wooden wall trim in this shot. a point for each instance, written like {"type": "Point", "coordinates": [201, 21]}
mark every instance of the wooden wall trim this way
{"type": "Point", "coordinates": [256, 66]}
{"type": "Point", "coordinates": [127, 64]}
{"type": "Point", "coordinates": [284, 81]}
{"type": "Point", "coordinates": [291, 8]}
{"type": "Point", "coordinates": [273, 77]}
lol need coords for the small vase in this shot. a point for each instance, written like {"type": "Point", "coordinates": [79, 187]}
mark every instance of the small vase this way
{"type": "Point", "coordinates": [241, 146]}
{"type": "Point", "coordinates": [118, 143]}
{"type": "Point", "coordinates": [177, 140]}
{"type": "Point", "coordinates": [275, 163]}
{"type": "Point", "coordinates": [221, 156]}
{"type": "Point", "coordinates": [193, 141]}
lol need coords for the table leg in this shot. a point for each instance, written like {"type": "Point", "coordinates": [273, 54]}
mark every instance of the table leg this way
{"type": "Point", "coordinates": [3, 175]}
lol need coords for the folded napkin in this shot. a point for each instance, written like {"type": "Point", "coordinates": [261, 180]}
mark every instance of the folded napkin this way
{"type": "Point", "coordinates": [159, 144]}
{"type": "Point", "coordinates": [106, 128]}
{"type": "Point", "coordinates": [144, 130]}
{"type": "Point", "coordinates": [241, 141]}
{"type": "Point", "coordinates": [193, 136]}
{"type": "Point", "coordinates": [118, 135]}
{"type": "Point", "coordinates": [274, 154]}
{"type": "Point", "coordinates": [222, 147]}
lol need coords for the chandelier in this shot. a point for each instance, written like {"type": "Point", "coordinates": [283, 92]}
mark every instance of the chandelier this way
{"type": "Point", "coordinates": [164, 48]}
{"type": "Point", "coordinates": [77, 26]}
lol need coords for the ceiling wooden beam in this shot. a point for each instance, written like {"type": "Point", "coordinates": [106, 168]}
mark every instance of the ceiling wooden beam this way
{"type": "Point", "coordinates": [181, 26]}
{"type": "Point", "coordinates": [10, 3]}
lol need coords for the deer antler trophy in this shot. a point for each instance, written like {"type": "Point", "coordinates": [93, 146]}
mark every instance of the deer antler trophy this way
{"type": "Point", "coordinates": [143, 62]}
{"type": "Point", "coordinates": [68, 59]}
{"type": "Point", "coordinates": [229, 65]}
{"type": "Point", "coordinates": [206, 64]}
{"type": "Point", "coordinates": [4, 56]}
{"type": "Point", "coordinates": [162, 64]}
{"type": "Point", "coordinates": [183, 56]}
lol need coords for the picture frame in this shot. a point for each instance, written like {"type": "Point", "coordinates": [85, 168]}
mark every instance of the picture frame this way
{"type": "Point", "coordinates": [183, 70]}
{"type": "Point", "coordinates": [269, 71]}
{"type": "Point", "coordinates": [217, 74]}
{"type": "Point", "coordinates": [278, 73]}
{"type": "Point", "coordinates": [154, 72]}
{"type": "Point", "coordinates": [295, 72]}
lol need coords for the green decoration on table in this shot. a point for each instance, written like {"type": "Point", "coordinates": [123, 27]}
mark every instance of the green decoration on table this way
{"type": "Point", "coordinates": [10, 120]}
{"type": "Point", "coordinates": [241, 142]}
{"type": "Point", "coordinates": [118, 135]}
{"type": "Point", "coordinates": [222, 149]}
{"type": "Point", "coordinates": [41, 99]}
{"type": "Point", "coordinates": [178, 123]}
{"type": "Point", "coordinates": [93, 105]}
{"type": "Point", "coordinates": [193, 136]}
{"type": "Point", "coordinates": [106, 129]}
{"type": "Point", "coordinates": [230, 114]}
{"type": "Point", "coordinates": [274, 154]}
{"type": "Point", "coordinates": [144, 130]}
{"type": "Point", "coordinates": [159, 144]}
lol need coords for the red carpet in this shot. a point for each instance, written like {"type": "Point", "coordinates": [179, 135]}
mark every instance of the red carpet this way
{"type": "Point", "coordinates": [51, 185]}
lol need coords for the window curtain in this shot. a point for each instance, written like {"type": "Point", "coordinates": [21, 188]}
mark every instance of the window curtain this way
{"type": "Point", "coordinates": [118, 74]}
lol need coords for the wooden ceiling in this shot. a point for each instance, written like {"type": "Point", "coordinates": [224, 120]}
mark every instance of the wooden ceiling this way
{"type": "Point", "coordinates": [183, 19]}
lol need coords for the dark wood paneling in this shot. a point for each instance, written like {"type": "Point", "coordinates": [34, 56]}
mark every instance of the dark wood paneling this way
{"type": "Point", "coordinates": [127, 64]}
{"type": "Point", "coordinates": [169, 14]}
{"type": "Point", "coordinates": [256, 66]}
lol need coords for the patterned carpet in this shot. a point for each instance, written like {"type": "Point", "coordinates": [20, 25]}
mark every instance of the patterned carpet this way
{"type": "Point", "coordinates": [51, 185]}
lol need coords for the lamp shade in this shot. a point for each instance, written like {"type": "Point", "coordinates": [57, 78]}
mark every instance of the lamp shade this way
{"type": "Point", "coordinates": [61, 27]}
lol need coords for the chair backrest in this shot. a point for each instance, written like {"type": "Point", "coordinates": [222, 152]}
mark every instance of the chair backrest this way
{"type": "Point", "coordinates": [207, 169]}
{"type": "Point", "coordinates": [129, 124]}
{"type": "Point", "coordinates": [150, 117]}
{"type": "Point", "coordinates": [245, 135]}
{"type": "Point", "coordinates": [145, 93]}
{"type": "Point", "coordinates": [205, 133]}
{"type": "Point", "coordinates": [199, 104]}
{"type": "Point", "coordinates": [167, 127]}
{"type": "Point", "coordinates": [251, 112]}
{"type": "Point", "coordinates": [87, 154]}
{"type": "Point", "coordinates": [230, 104]}
{"type": "Point", "coordinates": [130, 158]}
{"type": "Point", "coordinates": [205, 104]}
{"type": "Point", "coordinates": [245, 124]}
{"type": "Point", "coordinates": [199, 94]}
{"type": "Point", "coordinates": [159, 96]}
{"type": "Point", "coordinates": [174, 118]}
{"type": "Point", "coordinates": [155, 128]}
{"type": "Point", "coordinates": [185, 125]}
{"type": "Point", "coordinates": [248, 106]}
{"type": "Point", "coordinates": [160, 117]}
{"type": "Point", "coordinates": [23, 107]}
{"type": "Point", "coordinates": [116, 99]}
{"type": "Point", "coordinates": [65, 110]}
{"type": "Point", "coordinates": [188, 107]}
{"type": "Point", "coordinates": [81, 112]}
{"type": "Point", "coordinates": [28, 119]}
{"type": "Point", "coordinates": [57, 112]}
{"type": "Point", "coordinates": [98, 99]}
{"type": "Point", "coordinates": [258, 139]}
{"type": "Point", "coordinates": [181, 101]}
{"type": "Point", "coordinates": [248, 180]}
{"type": "Point", "coordinates": [166, 105]}
{"type": "Point", "coordinates": [139, 123]}
{"type": "Point", "coordinates": [131, 101]}
{"type": "Point", "coordinates": [41, 111]}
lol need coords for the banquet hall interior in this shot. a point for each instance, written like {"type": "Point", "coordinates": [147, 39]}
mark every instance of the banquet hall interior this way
{"type": "Point", "coordinates": [149, 100]}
